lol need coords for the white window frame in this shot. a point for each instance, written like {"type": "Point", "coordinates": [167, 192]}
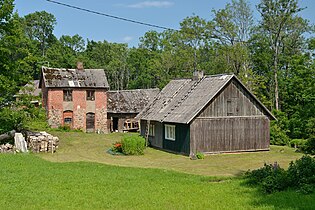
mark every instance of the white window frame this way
{"type": "Point", "coordinates": [170, 132]}
{"type": "Point", "coordinates": [152, 130]}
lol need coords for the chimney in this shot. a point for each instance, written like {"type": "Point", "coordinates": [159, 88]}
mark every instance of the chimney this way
{"type": "Point", "coordinates": [197, 75]}
{"type": "Point", "coordinates": [80, 66]}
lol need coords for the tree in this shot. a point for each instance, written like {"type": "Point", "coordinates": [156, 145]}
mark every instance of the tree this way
{"type": "Point", "coordinates": [39, 26]}
{"type": "Point", "coordinates": [6, 10]}
{"type": "Point", "coordinates": [232, 28]}
{"type": "Point", "coordinates": [194, 35]}
{"type": "Point", "coordinates": [75, 43]}
{"type": "Point", "coordinates": [279, 20]}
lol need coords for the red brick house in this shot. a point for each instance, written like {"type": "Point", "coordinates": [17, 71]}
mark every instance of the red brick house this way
{"type": "Point", "coordinates": [75, 97]}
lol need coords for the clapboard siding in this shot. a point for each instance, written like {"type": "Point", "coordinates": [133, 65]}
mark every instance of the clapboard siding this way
{"type": "Point", "coordinates": [229, 134]}
{"type": "Point", "coordinates": [233, 101]}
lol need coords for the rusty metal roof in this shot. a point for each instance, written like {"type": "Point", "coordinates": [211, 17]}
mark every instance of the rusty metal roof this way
{"type": "Point", "coordinates": [129, 101]}
{"type": "Point", "coordinates": [73, 78]}
{"type": "Point", "coordinates": [180, 101]}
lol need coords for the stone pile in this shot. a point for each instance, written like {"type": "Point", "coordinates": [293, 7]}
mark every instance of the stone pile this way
{"type": "Point", "coordinates": [6, 148]}
{"type": "Point", "coordinates": [42, 142]}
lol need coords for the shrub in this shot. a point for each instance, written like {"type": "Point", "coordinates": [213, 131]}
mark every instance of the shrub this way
{"type": "Point", "coordinates": [133, 145]}
{"type": "Point", "coordinates": [200, 155]}
{"type": "Point", "coordinates": [65, 128]}
{"type": "Point", "coordinates": [279, 129]}
{"type": "Point", "coordinates": [300, 175]}
{"type": "Point", "coordinates": [297, 143]}
{"type": "Point", "coordinates": [309, 146]}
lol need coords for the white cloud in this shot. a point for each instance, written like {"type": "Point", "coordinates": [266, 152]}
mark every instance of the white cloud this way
{"type": "Point", "coordinates": [148, 4]}
{"type": "Point", "coordinates": [127, 38]}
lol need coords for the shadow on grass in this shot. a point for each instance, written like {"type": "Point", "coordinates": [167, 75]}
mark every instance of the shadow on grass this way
{"type": "Point", "coordinates": [289, 199]}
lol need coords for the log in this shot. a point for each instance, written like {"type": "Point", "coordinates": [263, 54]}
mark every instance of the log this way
{"type": "Point", "coordinates": [7, 135]}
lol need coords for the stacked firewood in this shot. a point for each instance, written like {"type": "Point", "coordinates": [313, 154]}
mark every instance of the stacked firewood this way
{"type": "Point", "coordinates": [42, 142]}
{"type": "Point", "coordinates": [6, 148]}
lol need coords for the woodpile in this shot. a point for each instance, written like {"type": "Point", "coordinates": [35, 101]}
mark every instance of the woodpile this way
{"type": "Point", "coordinates": [42, 142]}
{"type": "Point", "coordinates": [6, 148]}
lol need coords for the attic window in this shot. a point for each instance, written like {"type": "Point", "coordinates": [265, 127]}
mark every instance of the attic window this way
{"type": "Point", "coordinates": [67, 95]}
{"type": "Point", "coordinates": [90, 95]}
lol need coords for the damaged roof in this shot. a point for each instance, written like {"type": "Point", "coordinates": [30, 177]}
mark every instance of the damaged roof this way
{"type": "Point", "coordinates": [31, 88]}
{"type": "Point", "coordinates": [59, 77]}
{"type": "Point", "coordinates": [181, 100]}
{"type": "Point", "coordinates": [129, 101]}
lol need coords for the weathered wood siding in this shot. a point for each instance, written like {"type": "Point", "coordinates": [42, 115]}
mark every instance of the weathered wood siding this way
{"type": "Point", "coordinates": [233, 101]}
{"type": "Point", "coordinates": [233, 121]}
{"type": "Point", "coordinates": [182, 138]}
{"type": "Point", "coordinates": [157, 140]}
{"type": "Point", "coordinates": [229, 134]}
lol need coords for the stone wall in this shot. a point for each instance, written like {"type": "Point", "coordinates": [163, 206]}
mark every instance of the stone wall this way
{"type": "Point", "coordinates": [101, 111]}
{"type": "Point", "coordinates": [55, 118]}
{"type": "Point", "coordinates": [101, 120]}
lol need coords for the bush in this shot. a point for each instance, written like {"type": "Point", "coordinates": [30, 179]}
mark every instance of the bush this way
{"type": "Point", "coordinates": [65, 128]}
{"type": "Point", "coordinates": [309, 146]}
{"type": "Point", "coordinates": [279, 130]}
{"type": "Point", "coordinates": [133, 145]}
{"type": "Point", "coordinates": [297, 143]}
{"type": "Point", "coordinates": [200, 155]}
{"type": "Point", "coordinates": [271, 178]}
{"type": "Point", "coordinates": [301, 173]}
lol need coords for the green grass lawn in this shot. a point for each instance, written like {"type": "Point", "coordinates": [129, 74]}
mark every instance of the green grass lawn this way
{"type": "Point", "coordinates": [76, 178]}
{"type": "Point", "coordinates": [29, 182]}
{"type": "Point", "coordinates": [76, 146]}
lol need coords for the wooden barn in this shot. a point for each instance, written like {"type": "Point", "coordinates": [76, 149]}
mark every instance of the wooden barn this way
{"type": "Point", "coordinates": [208, 114]}
{"type": "Point", "coordinates": [124, 105]}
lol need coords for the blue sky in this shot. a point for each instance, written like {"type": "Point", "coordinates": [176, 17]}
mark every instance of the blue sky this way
{"type": "Point", "coordinates": [167, 13]}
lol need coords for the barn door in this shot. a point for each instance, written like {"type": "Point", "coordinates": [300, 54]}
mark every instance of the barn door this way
{"type": "Point", "coordinates": [90, 122]}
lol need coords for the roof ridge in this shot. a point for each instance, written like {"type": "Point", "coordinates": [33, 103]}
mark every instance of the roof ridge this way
{"type": "Point", "coordinates": [133, 90]}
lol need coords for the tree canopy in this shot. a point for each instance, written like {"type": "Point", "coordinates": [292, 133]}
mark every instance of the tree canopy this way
{"type": "Point", "coordinates": [272, 56]}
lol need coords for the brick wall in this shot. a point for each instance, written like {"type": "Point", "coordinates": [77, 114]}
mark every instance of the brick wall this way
{"type": "Point", "coordinates": [55, 108]}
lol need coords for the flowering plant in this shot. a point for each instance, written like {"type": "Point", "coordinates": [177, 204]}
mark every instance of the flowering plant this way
{"type": "Point", "coordinates": [117, 147]}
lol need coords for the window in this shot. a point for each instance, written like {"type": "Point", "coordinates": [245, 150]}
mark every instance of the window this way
{"type": "Point", "coordinates": [67, 121]}
{"type": "Point", "coordinates": [229, 107]}
{"type": "Point", "coordinates": [170, 132]}
{"type": "Point", "coordinates": [67, 95]}
{"type": "Point", "coordinates": [90, 95]}
{"type": "Point", "coordinates": [151, 130]}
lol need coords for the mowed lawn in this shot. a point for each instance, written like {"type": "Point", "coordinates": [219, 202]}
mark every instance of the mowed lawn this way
{"type": "Point", "coordinates": [77, 146]}
{"type": "Point", "coordinates": [76, 178]}
{"type": "Point", "coordinates": [29, 182]}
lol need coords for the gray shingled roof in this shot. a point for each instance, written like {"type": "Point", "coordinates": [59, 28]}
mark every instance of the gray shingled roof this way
{"type": "Point", "coordinates": [31, 88]}
{"type": "Point", "coordinates": [129, 101]}
{"type": "Point", "coordinates": [89, 78]}
{"type": "Point", "coordinates": [181, 100]}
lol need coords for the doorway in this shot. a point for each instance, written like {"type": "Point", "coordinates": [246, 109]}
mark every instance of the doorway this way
{"type": "Point", "coordinates": [115, 124]}
{"type": "Point", "coordinates": [90, 122]}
